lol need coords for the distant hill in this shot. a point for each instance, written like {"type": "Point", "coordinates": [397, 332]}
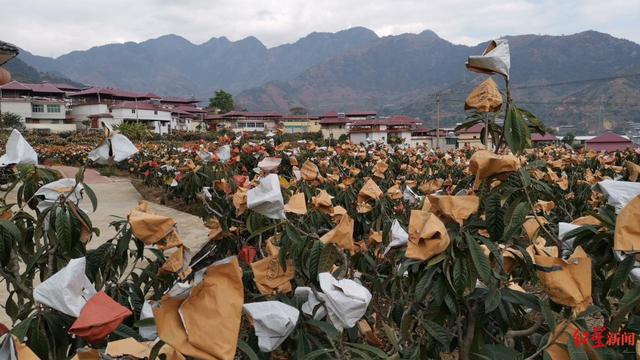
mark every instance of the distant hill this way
{"type": "Point", "coordinates": [23, 72]}
{"type": "Point", "coordinates": [172, 65]}
{"type": "Point", "coordinates": [400, 74]}
{"type": "Point", "coordinates": [354, 69]}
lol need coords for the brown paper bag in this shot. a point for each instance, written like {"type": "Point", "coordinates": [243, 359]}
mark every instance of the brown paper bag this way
{"type": "Point", "coordinates": [531, 226]}
{"type": "Point", "coordinates": [215, 307]}
{"type": "Point", "coordinates": [484, 98]}
{"type": "Point", "coordinates": [310, 171]}
{"type": "Point", "coordinates": [128, 347]}
{"type": "Point", "coordinates": [567, 282]}
{"type": "Point", "coordinates": [394, 192]}
{"type": "Point", "coordinates": [544, 206]}
{"type": "Point", "coordinates": [633, 170]}
{"type": "Point", "coordinates": [456, 208]}
{"type": "Point", "coordinates": [341, 235]}
{"type": "Point", "coordinates": [322, 202]}
{"type": "Point", "coordinates": [240, 201]}
{"type": "Point", "coordinates": [297, 204]}
{"type": "Point", "coordinates": [270, 278]}
{"type": "Point", "coordinates": [484, 164]}
{"type": "Point", "coordinates": [627, 233]}
{"type": "Point", "coordinates": [148, 227]}
{"type": "Point", "coordinates": [428, 236]}
{"type": "Point", "coordinates": [370, 191]}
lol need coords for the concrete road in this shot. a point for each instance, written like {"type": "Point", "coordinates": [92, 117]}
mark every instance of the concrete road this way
{"type": "Point", "coordinates": [116, 197]}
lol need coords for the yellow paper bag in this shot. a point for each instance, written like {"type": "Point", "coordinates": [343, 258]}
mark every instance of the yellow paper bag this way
{"type": "Point", "coordinates": [270, 278]}
{"type": "Point", "coordinates": [484, 98]}
{"type": "Point", "coordinates": [341, 235]}
{"type": "Point", "coordinates": [627, 233]}
{"type": "Point", "coordinates": [456, 208]}
{"type": "Point", "coordinates": [428, 236]}
{"type": "Point", "coordinates": [484, 164]}
{"type": "Point", "coordinates": [297, 204]}
{"type": "Point", "coordinates": [567, 282]}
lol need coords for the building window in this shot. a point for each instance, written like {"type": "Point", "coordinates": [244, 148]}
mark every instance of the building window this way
{"type": "Point", "coordinates": [55, 121]}
{"type": "Point", "coordinates": [53, 108]}
{"type": "Point", "coordinates": [155, 112]}
{"type": "Point", "coordinates": [133, 111]}
{"type": "Point", "coordinates": [451, 141]}
{"type": "Point", "coordinates": [37, 108]}
{"type": "Point", "coordinates": [259, 124]}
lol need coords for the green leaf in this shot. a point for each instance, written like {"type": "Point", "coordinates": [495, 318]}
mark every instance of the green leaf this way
{"type": "Point", "coordinates": [328, 257]}
{"type": "Point", "coordinates": [11, 308]}
{"type": "Point", "coordinates": [80, 175]}
{"type": "Point", "coordinates": [518, 217]}
{"type": "Point", "coordinates": [368, 348]}
{"type": "Point", "coordinates": [317, 353]}
{"type": "Point", "coordinates": [155, 350]}
{"type": "Point", "coordinates": [622, 273]}
{"type": "Point", "coordinates": [437, 332]}
{"type": "Point", "coordinates": [480, 261]}
{"type": "Point", "coordinates": [247, 350]}
{"type": "Point", "coordinates": [499, 352]}
{"type": "Point", "coordinates": [91, 195]}
{"type": "Point", "coordinates": [314, 259]}
{"type": "Point", "coordinates": [9, 235]}
{"type": "Point", "coordinates": [627, 303]}
{"type": "Point", "coordinates": [460, 275]}
{"type": "Point", "coordinates": [516, 131]}
{"type": "Point", "coordinates": [20, 330]}
{"type": "Point", "coordinates": [492, 301]}
{"type": "Point", "coordinates": [549, 318]}
{"type": "Point", "coordinates": [517, 297]}
{"type": "Point", "coordinates": [424, 284]}
{"type": "Point", "coordinates": [326, 328]}
{"type": "Point", "coordinates": [63, 228]}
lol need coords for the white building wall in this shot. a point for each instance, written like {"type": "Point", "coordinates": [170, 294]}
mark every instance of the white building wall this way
{"type": "Point", "coordinates": [157, 121]}
{"type": "Point", "coordinates": [81, 112]}
{"type": "Point", "coordinates": [361, 137]}
{"type": "Point", "coordinates": [16, 106]}
{"type": "Point", "coordinates": [46, 115]}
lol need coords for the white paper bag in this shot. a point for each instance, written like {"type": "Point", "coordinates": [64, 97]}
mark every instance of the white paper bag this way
{"type": "Point", "coordinates": [312, 302]}
{"type": "Point", "coordinates": [273, 322]}
{"type": "Point", "coordinates": [224, 153]}
{"type": "Point", "coordinates": [147, 332]}
{"type": "Point", "coordinates": [495, 59]}
{"type": "Point", "coordinates": [18, 151]}
{"type": "Point", "coordinates": [567, 244]}
{"type": "Point", "coordinates": [8, 348]}
{"type": "Point", "coordinates": [49, 193]}
{"type": "Point", "coordinates": [346, 300]}
{"type": "Point", "coordinates": [269, 164]}
{"type": "Point", "coordinates": [399, 237]}
{"type": "Point", "coordinates": [266, 198]}
{"type": "Point", "coordinates": [68, 290]}
{"type": "Point", "coordinates": [618, 193]}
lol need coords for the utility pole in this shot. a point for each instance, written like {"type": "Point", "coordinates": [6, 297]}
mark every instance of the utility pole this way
{"type": "Point", "coordinates": [437, 120]}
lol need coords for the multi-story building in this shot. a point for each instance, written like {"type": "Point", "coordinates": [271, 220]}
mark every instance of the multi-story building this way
{"type": "Point", "coordinates": [334, 125]}
{"type": "Point", "coordinates": [381, 130]}
{"type": "Point", "coordinates": [300, 123]}
{"type": "Point", "coordinates": [472, 137]}
{"type": "Point", "coordinates": [40, 106]}
{"type": "Point", "coordinates": [156, 118]}
{"type": "Point", "coordinates": [421, 136]}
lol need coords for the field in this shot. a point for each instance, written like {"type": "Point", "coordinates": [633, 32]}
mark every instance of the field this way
{"type": "Point", "coordinates": [380, 251]}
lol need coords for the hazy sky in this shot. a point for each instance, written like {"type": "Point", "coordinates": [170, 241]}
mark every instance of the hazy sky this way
{"type": "Point", "coordinates": [55, 27]}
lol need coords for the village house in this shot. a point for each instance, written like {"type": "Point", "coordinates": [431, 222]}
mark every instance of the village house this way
{"type": "Point", "coordinates": [471, 137]}
{"type": "Point", "coordinates": [292, 124]}
{"type": "Point", "coordinates": [334, 125]}
{"type": "Point", "coordinates": [609, 142]}
{"type": "Point", "coordinates": [40, 106]}
{"type": "Point", "coordinates": [538, 140]}
{"type": "Point", "coordinates": [382, 130]}
{"type": "Point", "coordinates": [421, 136]}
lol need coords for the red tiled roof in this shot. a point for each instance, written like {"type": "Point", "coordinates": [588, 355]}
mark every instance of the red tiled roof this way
{"type": "Point", "coordinates": [545, 137]}
{"type": "Point", "coordinates": [475, 129]}
{"type": "Point", "coordinates": [175, 99]}
{"type": "Point", "coordinates": [138, 105]}
{"type": "Point", "coordinates": [15, 85]}
{"type": "Point", "coordinates": [213, 117]}
{"type": "Point", "coordinates": [66, 87]}
{"type": "Point", "coordinates": [334, 120]}
{"type": "Point", "coordinates": [361, 113]}
{"type": "Point", "coordinates": [110, 92]}
{"type": "Point", "coordinates": [396, 120]}
{"type": "Point", "coordinates": [44, 88]}
{"type": "Point", "coordinates": [330, 114]}
{"type": "Point", "coordinates": [608, 137]}
{"type": "Point", "coordinates": [263, 114]}
{"type": "Point", "coordinates": [299, 117]}
{"type": "Point", "coordinates": [182, 113]}
{"type": "Point", "coordinates": [190, 109]}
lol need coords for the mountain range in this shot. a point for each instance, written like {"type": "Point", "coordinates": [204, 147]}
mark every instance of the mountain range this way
{"type": "Point", "coordinates": [355, 69]}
